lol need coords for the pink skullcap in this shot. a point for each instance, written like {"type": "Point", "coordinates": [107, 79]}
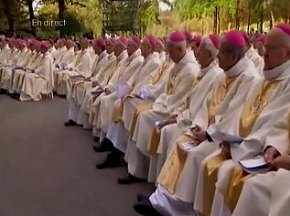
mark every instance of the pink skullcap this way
{"type": "Point", "coordinates": [246, 36]}
{"type": "Point", "coordinates": [235, 38]}
{"type": "Point", "coordinates": [122, 41]}
{"type": "Point", "coordinates": [44, 45]}
{"type": "Point", "coordinates": [188, 36]}
{"type": "Point", "coordinates": [135, 39]}
{"type": "Point", "coordinates": [109, 41]}
{"type": "Point", "coordinates": [151, 39]}
{"type": "Point", "coordinates": [177, 36]}
{"type": "Point", "coordinates": [215, 40]}
{"type": "Point", "coordinates": [284, 27]}
{"type": "Point", "coordinates": [261, 38]}
{"type": "Point", "coordinates": [197, 39]}
{"type": "Point", "coordinates": [101, 43]}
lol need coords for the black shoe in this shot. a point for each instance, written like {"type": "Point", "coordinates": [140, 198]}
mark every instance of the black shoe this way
{"type": "Point", "coordinates": [97, 139]}
{"type": "Point", "coordinates": [129, 179]}
{"type": "Point", "coordinates": [15, 96]}
{"type": "Point", "coordinates": [109, 163]}
{"type": "Point", "coordinates": [70, 123]}
{"type": "Point", "coordinates": [106, 145]}
{"type": "Point", "coordinates": [141, 197]}
{"type": "Point", "coordinates": [2, 91]}
{"type": "Point", "coordinates": [62, 96]}
{"type": "Point", "coordinates": [145, 207]}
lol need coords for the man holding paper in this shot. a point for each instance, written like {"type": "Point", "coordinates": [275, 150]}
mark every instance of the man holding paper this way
{"type": "Point", "coordinates": [255, 119]}
{"type": "Point", "coordinates": [175, 124]}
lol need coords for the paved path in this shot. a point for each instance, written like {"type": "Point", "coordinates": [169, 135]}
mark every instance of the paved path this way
{"type": "Point", "coordinates": [47, 169]}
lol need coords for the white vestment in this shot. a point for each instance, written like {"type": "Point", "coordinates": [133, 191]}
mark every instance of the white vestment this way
{"type": "Point", "coordinates": [207, 76]}
{"type": "Point", "coordinates": [182, 77]}
{"type": "Point", "coordinates": [276, 105]}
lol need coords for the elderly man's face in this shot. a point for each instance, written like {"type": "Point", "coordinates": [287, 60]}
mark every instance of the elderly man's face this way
{"type": "Point", "coordinates": [226, 58]}
{"type": "Point", "coordinates": [204, 57]}
{"type": "Point", "coordinates": [131, 48]}
{"type": "Point", "coordinates": [84, 44]}
{"type": "Point", "coordinates": [259, 46]}
{"type": "Point", "coordinates": [276, 53]}
{"type": "Point", "coordinates": [109, 48]}
{"type": "Point", "coordinates": [146, 48]}
{"type": "Point", "coordinates": [69, 44]}
{"type": "Point", "coordinates": [158, 48]}
{"type": "Point", "coordinates": [175, 52]}
{"type": "Point", "coordinates": [117, 50]}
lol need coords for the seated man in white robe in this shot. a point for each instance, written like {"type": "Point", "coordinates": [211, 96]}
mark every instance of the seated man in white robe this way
{"type": "Point", "coordinates": [178, 123]}
{"type": "Point", "coordinates": [33, 59]}
{"type": "Point", "coordinates": [11, 60]}
{"type": "Point", "coordinates": [40, 81]}
{"type": "Point", "coordinates": [64, 63]}
{"type": "Point", "coordinates": [220, 171]}
{"type": "Point", "coordinates": [182, 76]}
{"type": "Point", "coordinates": [259, 45]}
{"type": "Point", "coordinates": [177, 181]}
{"type": "Point", "coordinates": [254, 56]}
{"type": "Point", "coordinates": [267, 193]}
{"type": "Point", "coordinates": [159, 48]}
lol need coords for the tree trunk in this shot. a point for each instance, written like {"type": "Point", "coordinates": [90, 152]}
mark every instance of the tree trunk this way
{"type": "Point", "coordinates": [237, 15]}
{"type": "Point", "coordinates": [61, 8]}
{"type": "Point", "coordinates": [219, 21]}
{"type": "Point", "coordinates": [261, 21]}
{"type": "Point", "coordinates": [272, 19]}
{"type": "Point", "coordinates": [31, 17]}
{"type": "Point", "coordinates": [249, 15]}
{"type": "Point", "coordinates": [8, 5]}
{"type": "Point", "coordinates": [215, 20]}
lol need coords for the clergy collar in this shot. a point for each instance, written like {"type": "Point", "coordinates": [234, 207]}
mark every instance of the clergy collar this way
{"type": "Point", "coordinates": [203, 71]}
{"type": "Point", "coordinates": [238, 68]}
{"type": "Point", "coordinates": [111, 55]}
{"type": "Point", "coordinates": [102, 55]}
{"type": "Point", "coordinates": [278, 73]}
{"type": "Point", "coordinates": [122, 55]}
{"type": "Point", "coordinates": [187, 58]}
{"type": "Point", "coordinates": [133, 56]}
{"type": "Point", "coordinates": [149, 57]}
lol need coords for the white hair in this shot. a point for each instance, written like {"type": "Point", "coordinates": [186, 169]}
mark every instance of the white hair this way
{"type": "Point", "coordinates": [285, 38]}
{"type": "Point", "coordinates": [181, 44]}
{"type": "Point", "coordinates": [209, 46]}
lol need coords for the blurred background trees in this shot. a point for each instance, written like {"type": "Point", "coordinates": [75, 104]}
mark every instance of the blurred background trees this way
{"type": "Point", "coordinates": [143, 16]}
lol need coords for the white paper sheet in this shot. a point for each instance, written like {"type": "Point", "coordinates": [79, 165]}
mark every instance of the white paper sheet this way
{"type": "Point", "coordinates": [122, 90]}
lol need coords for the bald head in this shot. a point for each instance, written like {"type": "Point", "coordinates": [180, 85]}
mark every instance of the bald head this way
{"type": "Point", "coordinates": [277, 47]}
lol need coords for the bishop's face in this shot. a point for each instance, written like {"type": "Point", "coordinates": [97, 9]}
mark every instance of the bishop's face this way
{"type": "Point", "coordinates": [276, 50]}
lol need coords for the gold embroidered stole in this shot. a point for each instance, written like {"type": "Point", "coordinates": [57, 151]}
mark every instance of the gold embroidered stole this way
{"type": "Point", "coordinates": [156, 76]}
{"type": "Point", "coordinates": [256, 105]}
{"type": "Point", "coordinates": [250, 114]}
{"type": "Point", "coordinates": [217, 97]}
{"type": "Point", "coordinates": [80, 58]}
